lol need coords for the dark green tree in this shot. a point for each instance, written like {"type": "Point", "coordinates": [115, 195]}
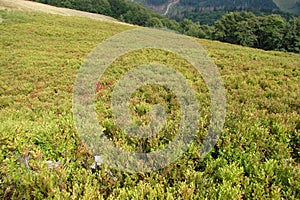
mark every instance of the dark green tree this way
{"type": "Point", "coordinates": [227, 27]}
{"type": "Point", "coordinates": [154, 22]}
{"type": "Point", "coordinates": [291, 39]}
{"type": "Point", "coordinates": [270, 32]}
{"type": "Point", "coordinates": [245, 32]}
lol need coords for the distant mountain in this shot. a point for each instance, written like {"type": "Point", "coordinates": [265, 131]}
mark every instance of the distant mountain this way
{"type": "Point", "coordinates": [207, 11]}
{"type": "Point", "coordinates": [292, 6]}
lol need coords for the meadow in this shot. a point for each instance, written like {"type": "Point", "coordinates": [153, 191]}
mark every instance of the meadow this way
{"type": "Point", "coordinates": [256, 157]}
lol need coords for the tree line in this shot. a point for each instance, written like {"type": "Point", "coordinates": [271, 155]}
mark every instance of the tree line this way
{"type": "Point", "coordinates": [209, 16]}
{"type": "Point", "coordinates": [270, 32]}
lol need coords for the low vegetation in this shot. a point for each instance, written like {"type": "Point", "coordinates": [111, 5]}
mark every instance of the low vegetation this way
{"type": "Point", "coordinates": [256, 157]}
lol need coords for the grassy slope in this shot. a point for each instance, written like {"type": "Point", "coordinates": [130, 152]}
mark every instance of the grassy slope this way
{"type": "Point", "coordinates": [26, 5]}
{"type": "Point", "coordinates": [257, 155]}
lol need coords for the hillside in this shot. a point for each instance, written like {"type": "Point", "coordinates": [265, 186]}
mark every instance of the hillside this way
{"type": "Point", "coordinates": [266, 31]}
{"type": "Point", "coordinates": [256, 157]}
{"type": "Point", "coordinates": [215, 4]}
{"type": "Point", "coordinates": [25, 5]}
{"type": "Point", "coordinates": [208, 11]}
{"type": "Point", "coordinates": [292, 6]}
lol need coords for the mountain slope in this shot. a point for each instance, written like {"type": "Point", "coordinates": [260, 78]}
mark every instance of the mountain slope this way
{"type": "Point", "coordinates": [197, 10]}
{"type": "Point", "coordinates": [39, 7]}
{"type": "Point", "coordinates": [266, 4]}
{"type": "Point", "coordinates": [256, 157]}
{"type": "Point", "coordinates": [289, 5]}
{"type": "Point", "coordinates": [292, 6]}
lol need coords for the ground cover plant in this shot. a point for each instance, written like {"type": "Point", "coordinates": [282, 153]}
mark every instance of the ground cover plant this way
{"type": "Point", "coordinates": [256, 157]}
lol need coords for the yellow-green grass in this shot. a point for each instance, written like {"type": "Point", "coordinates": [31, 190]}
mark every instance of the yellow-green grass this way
{"type": "Point", "coordinates": [257, 155]}
{"type": "Point", "coordinates": [26, 5]}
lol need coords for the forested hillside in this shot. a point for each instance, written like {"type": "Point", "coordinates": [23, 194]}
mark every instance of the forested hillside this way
{"type": "Point", "coordinates": [119, 9]}
{"type": "Point", "coordinates": [271, 32]}
{"type": "Point", "coordinates": [218, 4]}
{"type": "Point", "coordinates": [208, 11]}
{"type": "Point", "coordinates": [266, 4]}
